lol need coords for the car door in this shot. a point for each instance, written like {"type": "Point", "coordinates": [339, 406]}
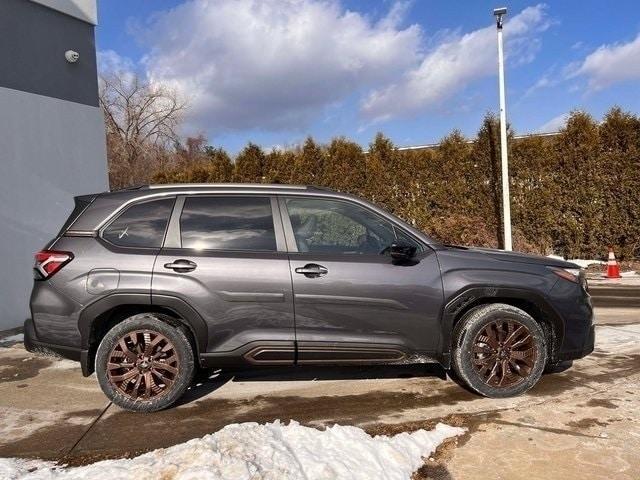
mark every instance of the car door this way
{"type": "Point", "coordinates": [224, 255]}
{"type": "Point", "coordinates": [353, 303]}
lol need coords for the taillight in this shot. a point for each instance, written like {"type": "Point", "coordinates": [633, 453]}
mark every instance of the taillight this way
{"type": "Point", "coordinates": [48, 262]}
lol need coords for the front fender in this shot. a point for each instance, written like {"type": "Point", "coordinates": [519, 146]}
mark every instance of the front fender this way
{"type": "Point", "coordinates": [464, 300]}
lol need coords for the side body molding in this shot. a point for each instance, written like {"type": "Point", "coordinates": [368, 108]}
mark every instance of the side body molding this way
{"type": "Point", "coordinates": [469, 297]}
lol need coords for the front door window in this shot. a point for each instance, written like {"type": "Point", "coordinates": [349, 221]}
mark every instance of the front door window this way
{"type": "Point", "coordinates": [337, 227]}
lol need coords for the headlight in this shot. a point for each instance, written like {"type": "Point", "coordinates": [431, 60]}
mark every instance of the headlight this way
{"type": "Point", "coordinates": [575, 275]}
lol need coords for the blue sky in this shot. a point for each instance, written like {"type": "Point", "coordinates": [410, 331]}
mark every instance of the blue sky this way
{"type": "Point", "coordinates": [275, 71]}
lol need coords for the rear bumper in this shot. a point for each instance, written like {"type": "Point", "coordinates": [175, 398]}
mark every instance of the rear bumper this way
{"type": "Point", "coordinates": [33, 344]}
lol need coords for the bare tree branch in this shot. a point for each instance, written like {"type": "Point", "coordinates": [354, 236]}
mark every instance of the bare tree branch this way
{"type": "Point", "coordinates": [141, 121]}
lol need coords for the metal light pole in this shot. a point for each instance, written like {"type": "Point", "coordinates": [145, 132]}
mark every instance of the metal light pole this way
{"type": "Point", "coordinates": [506, 205]}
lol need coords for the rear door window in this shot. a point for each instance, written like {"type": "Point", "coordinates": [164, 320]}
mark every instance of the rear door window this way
{"type": "Point", "coordinates": [141, 225]}
{"type": "Point", "coordinates": [227, 223]}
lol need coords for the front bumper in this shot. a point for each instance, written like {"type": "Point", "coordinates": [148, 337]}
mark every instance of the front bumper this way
{"type": "Point", "coordinates": [572, 303]}
{"type": "Point", "coordinates": [34, 345]}
{"type": "Point", "coordinates": [586, 349]}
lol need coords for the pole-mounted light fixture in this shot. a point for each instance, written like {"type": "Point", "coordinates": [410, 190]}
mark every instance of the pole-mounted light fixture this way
{"type": "Point", "coordinates": [499, 13]}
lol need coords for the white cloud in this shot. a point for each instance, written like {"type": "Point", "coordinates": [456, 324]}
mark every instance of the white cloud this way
{"type": "Point", "coordinates": [454, 63]}
{"type": "Point", "coordinates": [281, 64]}
{"type": "Point", "coordinates": [396, 15]}
{"type": "Point", "coordinates": [555, 124]}
{"type": "Point", "coordinates": [111, 61]}
{"type": "Point", "coordinates": [273, 64]}
{"type": "Point", "coordinates": [543, 82]}
{"type": "Point", "coordinates": [610, 64]}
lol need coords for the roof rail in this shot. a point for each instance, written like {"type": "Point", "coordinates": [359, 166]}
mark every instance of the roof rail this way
{"type": "Point", "coordinates": [125, 189]}
{"type": "Point", "coordinates": [226, 185]}
{"type": "Point", "coordinates": [321, 188]}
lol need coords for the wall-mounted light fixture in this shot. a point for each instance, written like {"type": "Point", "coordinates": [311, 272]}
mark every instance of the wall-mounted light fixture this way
{"type": "Point", "coordinates": [71, 56]}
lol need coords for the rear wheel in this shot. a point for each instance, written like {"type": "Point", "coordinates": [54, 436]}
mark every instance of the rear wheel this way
{"type": "Point", "coordinates": [144, 364]}
{"type": "Point", "coordinates": [499, 350]}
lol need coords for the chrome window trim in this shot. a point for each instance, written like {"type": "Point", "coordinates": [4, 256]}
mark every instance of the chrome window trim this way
{"type": "Point", "coordinates": [277, 191]}
{"type": "Point", "coordinates": [80, 233]}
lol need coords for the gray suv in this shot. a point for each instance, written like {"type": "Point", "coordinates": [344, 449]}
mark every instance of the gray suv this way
{"type": "Point", "coordinates": [146, 285]}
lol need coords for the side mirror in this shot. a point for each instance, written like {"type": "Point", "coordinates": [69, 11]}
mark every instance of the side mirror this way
{"type": "Point", "coordinates": [402, 253]}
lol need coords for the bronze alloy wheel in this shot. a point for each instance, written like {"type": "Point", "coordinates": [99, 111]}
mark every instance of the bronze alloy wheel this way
{"type": "Point", "coordinates": [143, 365]}
{"type": "Point", "coordinates": [504, 353]}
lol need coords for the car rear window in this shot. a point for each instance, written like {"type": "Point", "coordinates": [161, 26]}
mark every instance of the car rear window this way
{"type": "Point", "coordinates": [228, 223]}
{"type": "Point", "coordinates": [141, 225]}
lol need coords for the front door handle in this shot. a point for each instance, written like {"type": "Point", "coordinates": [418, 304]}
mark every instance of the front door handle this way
{"type": "Point", "coordinates": [312, 270]}
{"type": "Point", "coordinates": [181, 266]}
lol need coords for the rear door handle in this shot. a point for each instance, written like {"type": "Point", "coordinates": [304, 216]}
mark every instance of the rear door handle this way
{"type": "Point", "coordinates": [311, 270]}
{"type": "Point", "coordinates": [181, 266]}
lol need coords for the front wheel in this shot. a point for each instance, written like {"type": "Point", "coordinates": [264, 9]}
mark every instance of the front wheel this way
{"type": "Point", "coordinates": [499, 350]}
{"type": "Point", "coordinates": [144, 363]}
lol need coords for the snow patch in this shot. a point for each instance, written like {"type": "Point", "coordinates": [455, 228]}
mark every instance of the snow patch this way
{"type": "Point", "coordinates": [631, 273]}
{"type": "Point", "coordinates": [581, 262]}
{"type": "Point", "coordinates": [18, 468]}
{"type": "Point", "coordinates": [12, 339]}
{"type": "Point", "coordinates": [253, 451]}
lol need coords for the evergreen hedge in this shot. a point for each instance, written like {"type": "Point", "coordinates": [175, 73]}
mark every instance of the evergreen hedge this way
{"type": "Point", "coordinates": [572, 194]}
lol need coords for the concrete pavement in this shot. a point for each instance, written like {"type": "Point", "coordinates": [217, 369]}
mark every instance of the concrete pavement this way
{"type": "Point", "coordinates": [587, 415]}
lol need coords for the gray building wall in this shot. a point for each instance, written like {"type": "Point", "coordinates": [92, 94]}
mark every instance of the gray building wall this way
{"type": "Point", "coordinates": [52, 140]}
{"type": "Point", "coordinates": [33, 41]}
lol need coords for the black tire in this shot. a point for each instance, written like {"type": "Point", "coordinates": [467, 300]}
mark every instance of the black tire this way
{"type": "Point", "coordinates": [178, 347]}
{"type": "Point", "coordinates": [473, 355]}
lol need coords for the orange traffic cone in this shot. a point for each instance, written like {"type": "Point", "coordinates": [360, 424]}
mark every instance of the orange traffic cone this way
{"type": "Point", "coordinates": [613, 269]}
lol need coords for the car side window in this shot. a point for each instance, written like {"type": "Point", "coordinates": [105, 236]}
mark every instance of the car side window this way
{"type": "Point", "coordinates": [332, 226]}
{"type": "Point", "coordinates": [228, 223]}
{"type": "Point", "coordinates": [140, 225]}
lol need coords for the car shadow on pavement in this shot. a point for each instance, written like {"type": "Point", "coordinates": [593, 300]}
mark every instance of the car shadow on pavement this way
{"type": "Point", "coordinates": [560, 380]}
{"type": "Point", "coordinates": [204, 382]}
{"type": "Point", "coordinates": [208, 381]}
{"type": "Point", "coordinates": [310, 373]}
